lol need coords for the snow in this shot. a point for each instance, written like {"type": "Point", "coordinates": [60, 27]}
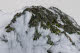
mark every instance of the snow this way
{"type": "Point", "coordinates": [63, 45]}
{"type": "Point", "coordinates": [21, 42]}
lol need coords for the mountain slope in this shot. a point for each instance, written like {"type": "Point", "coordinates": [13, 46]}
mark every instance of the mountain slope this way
{"type": "Point", "coordinates": [41, 30]}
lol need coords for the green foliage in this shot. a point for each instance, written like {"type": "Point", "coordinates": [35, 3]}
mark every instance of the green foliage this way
{"type": "Point", "coordinates": [68, 24]}
{"type": "Point", "coordinates": [57, 25]}
{"type": "Point", "coordinates": [49, 51]}
{"type": "Point", "coordinates": [58, 31]}
{"type": "Point", "coordinates": [43, 25]}
{"type": "Point", "coordinates": [9, 29]}
{"type": "Point", "coordinates": [54, 30]}
{"type": "Point", "coordinates": [49, 40]}
{"type": "Point", "coordinates": [36, 35]}
{"type": "Point", "coordinates": [73, 43]}
{"type": "Point", "coordinates": [70, 29]}
{"type": "Point", "coordinates": [5, 40]}
{"type": "Point", "coordinates": [47, 19]}
{"type": "Point", "coordinates": [78, 32]}
{"type": "Point", "coordinates": [16, 16]}
{"type": "Point", "coordinates": [48, 24]}
{"type": "Point", "coordinates": [7, 26]}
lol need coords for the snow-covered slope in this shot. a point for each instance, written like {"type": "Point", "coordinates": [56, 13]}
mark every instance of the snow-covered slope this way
{"type": "Point", "coordinates": [41, 30]}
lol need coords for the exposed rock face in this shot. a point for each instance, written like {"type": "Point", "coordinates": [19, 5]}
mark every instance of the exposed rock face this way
{"type": "Point", "coordinates": [41, 30]}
